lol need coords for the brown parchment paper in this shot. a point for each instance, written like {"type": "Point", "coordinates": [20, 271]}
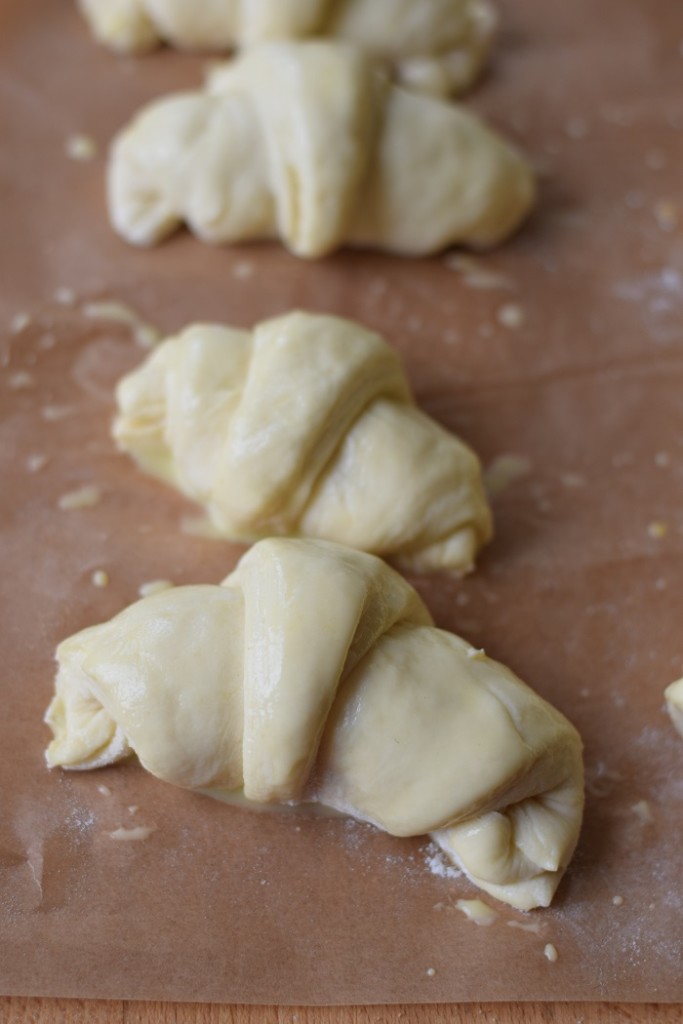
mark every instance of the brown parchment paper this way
{"type": "Point", "coordinates": [580, 592]}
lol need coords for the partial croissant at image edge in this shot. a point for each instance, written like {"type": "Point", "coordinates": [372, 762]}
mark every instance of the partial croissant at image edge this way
{"type": "Point", "coordinates": [444, 52]}
{"type": "Point", "coordinates": [673, 696]}
{"type": "Point", "coordinates": [305, 426]}
{"type": "Point", "coordinates": [358, 704]}
{"type": "Point", "coordinates": [265, 152]}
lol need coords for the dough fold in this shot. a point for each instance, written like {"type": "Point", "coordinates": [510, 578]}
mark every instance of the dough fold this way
{"type": "Point", "coordinates": [304, 427]}
{"type": "Point", "coordinates": [314, 675]}
{"type": "Point", "coordinates": [674, 704]}
{"type": "Point", "coordinates": [437, 46]}
{"type": "Point", "coordinates": [309, 143]}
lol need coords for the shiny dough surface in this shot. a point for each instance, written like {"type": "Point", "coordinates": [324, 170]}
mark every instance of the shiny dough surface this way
{"type": "Point", "coordinates": [314, 674]}
{"type": "Point", "coordinates": [310, 143]}
{"type": "Point", "coordinates": [304, 426]}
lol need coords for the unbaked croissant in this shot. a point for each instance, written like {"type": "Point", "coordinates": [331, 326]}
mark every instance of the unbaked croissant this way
{"type": "Point", "coordinates": [439, 46]}
{"type": "Point", "coordinates": [305, 426]}
{"type": "Point", "coordinates": [308, 142]}
{"type": "Point", "coordinates": [314, 674]}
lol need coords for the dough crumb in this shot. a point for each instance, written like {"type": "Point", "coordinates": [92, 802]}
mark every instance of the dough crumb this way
{"type": "Point", "coordinates": [19, 322]}
{"type": "Point", "coordinates": [505, 470]}
{"type": "Point", "coordinates": [46, 341]}
{"type": "Point", "coordinates": [511, 315]}
{"type": "Point", "coordinates": [476, 274]}
{"type": "Point", "coordinates": [477, 911]}
{"type": "Point", "coordinates": [65, 296]}
{"type": "Point", "coordinates": [643, 812]}
{"type": "Point", "coordinates": [666, 214]}
{"type": "Point", "coordinates": [657, 530]}
{"type": "Point", "coordinates": [136, 834]}
{"type": "Point", "coordinates": [431, 972]}
{"type": "Point", "coordinates": [80, 148]}
{"type": "Point", "coordinates": [573, 480]}
{"type": "Point", "coordinates": [20, 380]}
{"type": "Point", "coordinates": [100, 578]}
{"type": "Point", "coordinates": [655, 159]}
{"type": "Point", "coordinates": [34, 463]}
{"type": "Point", "coordinates": [133, 809]}
{"type": "Point", "coordinates": [52, 413]}
{"type": "Point", "coordinates": [576, 128]}
{"type": "Point", "coordinates": [532, 926]}
{"type": "Point", "coordinates": [83, 497]}
{"type": "Point", "coordinates": [104, 790]}
{"type": "Point", "coordinates": [662, 460]}
{"type": "Point", "coordinates": [617, 900]}
{"type": "Point", "coordinates": [243, 270]}
{"type": "Point", "coordinates": [144, 334]}
{"type": "Point", "coordinates": [154, 587]}
{"type": "Point", "coordinates": [550, 953]}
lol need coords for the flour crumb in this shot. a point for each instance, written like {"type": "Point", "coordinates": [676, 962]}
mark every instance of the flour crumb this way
{"type": "Point", "coordinates": [550, 953]}
{"type": "Point", "coordinates": [104, 790]}
{"type": "Point", "coordinates": [617, 901]}
{"type": "Point", "coordinates": [430, 972]}
{"type": "Point", "coordinates": [438, 864]}
{"type": "Point", "coordinates": [100, 578]}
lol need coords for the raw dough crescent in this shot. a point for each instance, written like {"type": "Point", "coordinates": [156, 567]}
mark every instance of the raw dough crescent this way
{"type": "Point", "coordinates": [308, 142]}
{"type": "Point", "coordinates": [437, 46]}
{"type": "Point", "coordinates": [674, 704]}
{"type": "Point", "coordinates": [313, 674]}
{"type": "Point", "coordinates": [304, 427]}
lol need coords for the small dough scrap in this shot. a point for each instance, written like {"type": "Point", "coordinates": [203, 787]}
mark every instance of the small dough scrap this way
{"type": "Point", "coordinates": [674, 704]}
{"type": "Point", "coordinates": [314, 675]}
{"type": "Point", "coordinates": [437, 46]}
{"type": "Point", "coordinates": [304, 427]}
{"type": "Point", "coordinates": [309, 143]}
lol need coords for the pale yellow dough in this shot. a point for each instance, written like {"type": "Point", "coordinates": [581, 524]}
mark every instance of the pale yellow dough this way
{"type": "Point", "coordinates": [304, 427]}
{"type": "Point", "coordinates": [314, 674]}
{"type": "Point", "coordinates": [309, 143]}
{"type": "Point", "coordinates": [438, 46]}
{"type": "Point", "coordinates": [674, 704]}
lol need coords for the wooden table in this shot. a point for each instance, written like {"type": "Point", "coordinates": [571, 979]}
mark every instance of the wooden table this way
{"type": "Point", "coordinates": [76, 1011]}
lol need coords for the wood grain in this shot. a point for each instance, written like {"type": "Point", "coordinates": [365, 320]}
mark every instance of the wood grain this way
{"type": "Point", "coordinates": [19, 1010]}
